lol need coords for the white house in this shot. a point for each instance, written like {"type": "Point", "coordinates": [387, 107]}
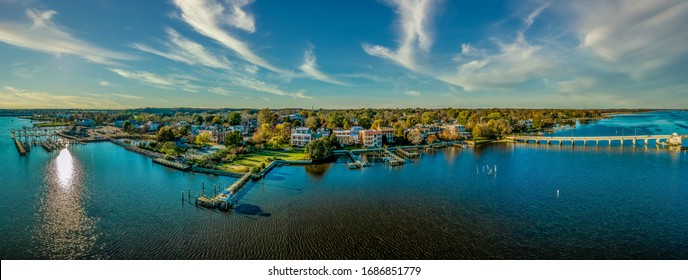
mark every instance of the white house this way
{"type": "Point", "coordinates": [344, 137]}
{"type": "Point", "coordinates": [300, 136]}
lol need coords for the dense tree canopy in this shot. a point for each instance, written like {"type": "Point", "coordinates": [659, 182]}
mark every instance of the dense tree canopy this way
{"type": "Point", "coordinates": [165, 134]}
{"type": "Point", "coordinates": [319, 149]}
{"type": "Point", "coordinates": [234, 118]}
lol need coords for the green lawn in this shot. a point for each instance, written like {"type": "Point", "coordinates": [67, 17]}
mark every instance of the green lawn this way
{"type": "Point", "coordinates": [244, 163]}
{"type": "Point", "coordinates": [49, 124]}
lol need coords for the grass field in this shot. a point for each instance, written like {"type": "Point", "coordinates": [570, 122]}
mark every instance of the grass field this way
{"type": "Point", "coordinates": [245, 163]}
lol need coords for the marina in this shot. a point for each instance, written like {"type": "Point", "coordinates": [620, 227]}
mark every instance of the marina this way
{"type": "Point", "coordinates": [26, 137]}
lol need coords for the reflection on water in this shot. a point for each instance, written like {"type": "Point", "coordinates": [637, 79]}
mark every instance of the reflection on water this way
{"type": "Point", "coordinates": [66, 231]}
{"type": "Point", "coordinates": [318, 170]}
{"type": "Point", "coordinates": [64, 165]}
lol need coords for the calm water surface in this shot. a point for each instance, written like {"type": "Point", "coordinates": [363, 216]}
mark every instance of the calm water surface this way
{"type": "Point", "coordinates": [98, 201]}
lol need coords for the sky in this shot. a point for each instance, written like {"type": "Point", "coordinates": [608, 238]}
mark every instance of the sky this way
{"type": "Point", "coordinates": [344, 54]}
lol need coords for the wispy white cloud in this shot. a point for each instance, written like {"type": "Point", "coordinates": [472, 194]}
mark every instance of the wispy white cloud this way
{"type": "Point", "coordinates": [530, 19]}
{"type": "Point", "coordinates": [220, 91]}
{"type": "Point", "coordinates": [636, 36]}
{"type": "Point", "coordinates": [414, 93]}
{"type": "Point", "coordinates": [157, 81]}
{"type": "Point", "coordinates": [128, 96]}
{"type": "Point", "coordinates": [104, 84]}
{"type": "Point", "coordinates": [310, 68]}
{"type": "Point", "coordinates": [510, 65]}
{"type": "Point", "coordinates": [45, 36]}
{"type": "Point", "coordinates": [261, 86]}
{"type": "Point", "coordinates": [576, 85]}
{"type": "Point", "coordinates": [239, 18]}
{"type": "Point", "coordinates": [21, 70]}
{"type": "Point", "coordinates": [208, 16]}
{"type": "Point", "coordinates": [415, 18]}
{"type": "Point", "coordinates": [186, 51]}
{"type": "Point", "coordinates": [14, 98]}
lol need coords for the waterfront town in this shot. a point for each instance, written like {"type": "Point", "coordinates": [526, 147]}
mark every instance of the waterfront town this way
{"type": "Point", "coordinates": [240, 141]}
{"type": "Point", "coordinates": [248, 143]}
{"type": "Point", "coordinates": [213, 137]}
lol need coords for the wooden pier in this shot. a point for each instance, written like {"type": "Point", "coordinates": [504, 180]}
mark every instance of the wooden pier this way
{"type": "Point", "coordinates": [354, 161]}
{"type": "Point", "coordinates": [225, 199]}
{"type": "Point", "coordinates": [392, 158]}
{"type": "Point", "coordinates": [20, 147]}
{"type": "Point", "coordinates": [407, 154]}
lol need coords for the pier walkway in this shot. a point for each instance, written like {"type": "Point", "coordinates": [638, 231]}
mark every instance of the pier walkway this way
{"type": "Point", "coordinates": [393, 159]}
{"type": "Point", "coordinates": [224, 199]}
{"type": "Point", "coordinates": [20, 147]}
{"type": "Point", "coordinates": [407, 154]}
{"type": "Point", "coordinates": [634, 139]}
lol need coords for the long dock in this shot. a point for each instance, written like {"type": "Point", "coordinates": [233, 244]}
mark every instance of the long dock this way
{"type": "Point", "coordinates": [20, 147]}
{"type": "Point", "coordinates": [225, 199]}
{"type": "Point", "coordinates": [634, 139]}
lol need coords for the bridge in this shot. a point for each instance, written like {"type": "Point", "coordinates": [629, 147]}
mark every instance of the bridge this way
{"type": "Point", "coordinates": [634, 139]}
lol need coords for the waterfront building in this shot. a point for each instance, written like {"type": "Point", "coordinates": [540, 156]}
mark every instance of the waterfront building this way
{"type": "Point", "coordinates": [77, 131]}
{"type": "Point", "coordinates": [387, 132]}
{"type": "Point", "coordinates": [457, 130]}
{"type": "Point", "coordinates": [371, 138]}
{"type": "Point", "coordinates": [344, 137]}
{"type": "Point", "coordinates": [300, 136]}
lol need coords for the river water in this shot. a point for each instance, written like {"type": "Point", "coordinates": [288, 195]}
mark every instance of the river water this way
{"type": "Point", "coordinates": [98, 201]}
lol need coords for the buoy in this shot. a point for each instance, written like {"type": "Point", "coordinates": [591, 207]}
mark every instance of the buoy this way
{"type": "Point", "coordinates": [557, 193]}
{"type": "Point", "coordinates": [182, 196]}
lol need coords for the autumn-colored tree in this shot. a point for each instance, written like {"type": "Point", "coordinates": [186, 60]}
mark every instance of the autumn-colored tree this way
{"type": "Point", "coordinates": [415, 137]}
{"type": "Point", "coordinates": [203, 138]}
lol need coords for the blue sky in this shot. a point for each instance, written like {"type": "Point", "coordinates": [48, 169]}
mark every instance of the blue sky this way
{"type": "Point", "coordinates": [344, 54]}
